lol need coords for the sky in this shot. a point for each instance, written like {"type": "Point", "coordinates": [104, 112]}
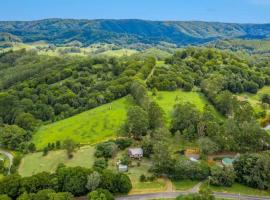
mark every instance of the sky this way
{"type": "Point", "coordinates": [239, 11]}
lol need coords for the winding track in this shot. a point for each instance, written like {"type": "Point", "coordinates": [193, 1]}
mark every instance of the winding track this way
{"type": "Point", "coordinates": [10, 157]}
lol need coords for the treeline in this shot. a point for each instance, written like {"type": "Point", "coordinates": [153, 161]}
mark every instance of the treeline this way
{"type": "Point", "coordinates": [65, 183]}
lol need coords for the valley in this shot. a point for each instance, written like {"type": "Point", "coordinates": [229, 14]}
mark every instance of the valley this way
{"type": "Point", "coordinates": [147, 115]}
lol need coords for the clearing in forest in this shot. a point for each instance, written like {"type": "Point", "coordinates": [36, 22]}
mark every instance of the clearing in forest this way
{"type": "Point", "coordinates": [167, 100]}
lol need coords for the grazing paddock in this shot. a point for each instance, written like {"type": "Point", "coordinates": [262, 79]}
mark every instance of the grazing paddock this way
{"type": "Point", "coordinates": [35, 162]}
{"type": "Point", "coordinates": [89, 127]}
{"type": "Point", "coordinates": [167, 100]}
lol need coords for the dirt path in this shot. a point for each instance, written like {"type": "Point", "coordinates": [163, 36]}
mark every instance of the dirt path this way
{"type": "Point", "coordinates": [150, 74]}
{"type": "Point", "coordinates": [195, 189]}
{"type": "Point", "coordinates": [10, 157]}
{"type": "Point", "coordinates": [169, 185]}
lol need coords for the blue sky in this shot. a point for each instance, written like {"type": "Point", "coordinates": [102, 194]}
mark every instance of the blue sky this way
{"type": "Point", "coordinates": [242, 11]}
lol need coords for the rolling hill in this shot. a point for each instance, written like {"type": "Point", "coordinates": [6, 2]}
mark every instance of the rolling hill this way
{"type": "Point", "coordinates": [130, 31]}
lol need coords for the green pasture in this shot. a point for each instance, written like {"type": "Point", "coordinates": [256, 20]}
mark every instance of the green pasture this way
{"type": "Point", "coordinates": [167, 100]}
{"type": "Point", "coordinates": [88, 127]}
{"type": "Point", "coordinates": [35, 162]}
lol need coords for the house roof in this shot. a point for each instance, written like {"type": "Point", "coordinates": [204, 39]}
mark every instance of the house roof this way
{"type": "Point", "coordinates": [136, 151]}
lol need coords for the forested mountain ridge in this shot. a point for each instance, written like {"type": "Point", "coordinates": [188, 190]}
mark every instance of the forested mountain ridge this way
{"type": "Point", "coordinates": [60, 31]}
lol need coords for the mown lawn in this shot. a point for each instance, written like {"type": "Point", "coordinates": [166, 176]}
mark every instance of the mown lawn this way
{"type": "Point", "coordinates": [89, 127]}
{"type": "Point", "coordinates": [238, 188]}
{"type": "Point", "coordinates": [167, 100]}
{"type": "Point", "coordinates": [36, 162]}
{"type": "Point", "coordinates": [184, 184]}
{"type": "Point", "coordinates": [135, 172]}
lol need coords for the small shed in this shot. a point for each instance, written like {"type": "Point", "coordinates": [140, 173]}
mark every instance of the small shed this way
{"type": "Point", "coordinates": [135, 153]}
{"type": "Point", "coordinates": [122, 168]}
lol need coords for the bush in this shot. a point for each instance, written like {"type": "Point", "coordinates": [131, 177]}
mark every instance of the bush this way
{"type": "Point", "coordinates": [123, 143]}
{"type": "Point", "coordinates": [186, 169]}
{"type": "Point", "coordinates": [142, 178]}
{"type": "Point", "coordinates": [125, 160]}
{"type": "Point", "coordinates": [106, 149]}
{"type": "Point", "coordinates": [100, 163]}
{"type": "Point", "coordinates": [4, 197]}
{"type": "Point", "coordinates": [222, 176]}
{"type": "Point", "coordinates": [100, 194]}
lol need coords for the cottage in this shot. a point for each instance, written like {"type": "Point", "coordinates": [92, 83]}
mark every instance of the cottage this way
{"type": "Point", "coordinates": [122, 168]}
{"type": "Point", "coordinates": [135, 153]}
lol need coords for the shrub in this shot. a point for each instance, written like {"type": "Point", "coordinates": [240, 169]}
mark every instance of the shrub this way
{"type": "Point", "coordinates": [142, 178]}
{"type": "Point", "coordinates": [100, 163]}
{"type": "Point", "coordinates": [222, 176]}
{"type": "Point", "coordinates": [123, 143]}
{"type": "Point", "coordinates": [4, 197]}
{"type": "Point", "coordinates": [100, 194]}
{"type": "Point", "coordinates": [106, 149]}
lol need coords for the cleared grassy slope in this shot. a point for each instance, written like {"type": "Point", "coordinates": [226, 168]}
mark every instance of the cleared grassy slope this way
{"type": "Point", "coordinates": [34, 163]}
{"type": "Point", "coordinates": [89, 127]}
{"type": "Point", "coordinates": [167, 100]}
{"type": "Point", "coordinates": [255, 99]}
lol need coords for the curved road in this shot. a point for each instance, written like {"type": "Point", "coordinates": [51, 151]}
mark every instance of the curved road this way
{"type": "Point", "coordinates": [168, 195]}
{"type": "Point", "coordinates": [10, 157]}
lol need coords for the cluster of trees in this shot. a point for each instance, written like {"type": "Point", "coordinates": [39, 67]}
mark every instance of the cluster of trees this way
{"type": "Point", "coordinates": [253, 170]}
{"type": "Point", "coordinates": [240, 132]}
{"type": "Point", "coordinates": [189, 67]}
{"type": "Point", "coordinates": [147, 116]}
{"type": "Point", "coordinates": [109, 149]}
{"type": "Point", "coordinates": [65, 183]}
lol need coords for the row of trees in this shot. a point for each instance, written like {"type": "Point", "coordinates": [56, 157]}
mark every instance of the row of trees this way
{"type": "Point", "coordinates": [75, 181]}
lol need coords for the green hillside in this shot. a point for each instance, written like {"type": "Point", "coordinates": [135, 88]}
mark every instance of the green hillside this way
{"type": "Point", "coordinates": [255, 99]}
{"type": "Point", "coordinates": [130, 31]}
{"type": "Point", "coordinates": [167, 100]}
{"type": "Point", "coordinates": [89, 127]}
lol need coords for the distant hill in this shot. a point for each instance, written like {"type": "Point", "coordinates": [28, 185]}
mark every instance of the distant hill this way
{"type": "Point", "coordinates": [130, 31]}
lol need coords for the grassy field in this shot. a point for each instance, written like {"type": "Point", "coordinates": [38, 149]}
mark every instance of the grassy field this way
{"type": "Point", "coordinates": [89, 127]}
{"type": "Point", "coordinates": [118, 53]}
{"type": "Point", "coordinates": [184, 184]}
{"type": "Point", "coordinates": [239, 188]}
{"type": "Point", "coordinates": [255, 99]}
{"type": "Point", "coordinates": [35, 162]}
{"type": "Point", "coordinates": [135, 172]}
{"type": "Point", "coordinates": [168, 99]}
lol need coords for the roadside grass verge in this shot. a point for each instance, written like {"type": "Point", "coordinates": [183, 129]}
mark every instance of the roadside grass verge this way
{"type": "Point", "coordinates": [184, 184]}
{"type": "Point", "coordinates": [88, 127]}
{"type": "Point", "coordinates": [238, 189]}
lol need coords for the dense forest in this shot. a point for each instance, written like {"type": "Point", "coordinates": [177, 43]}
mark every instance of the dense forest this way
{"type": "Point", "coordinates": [61, 31]}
